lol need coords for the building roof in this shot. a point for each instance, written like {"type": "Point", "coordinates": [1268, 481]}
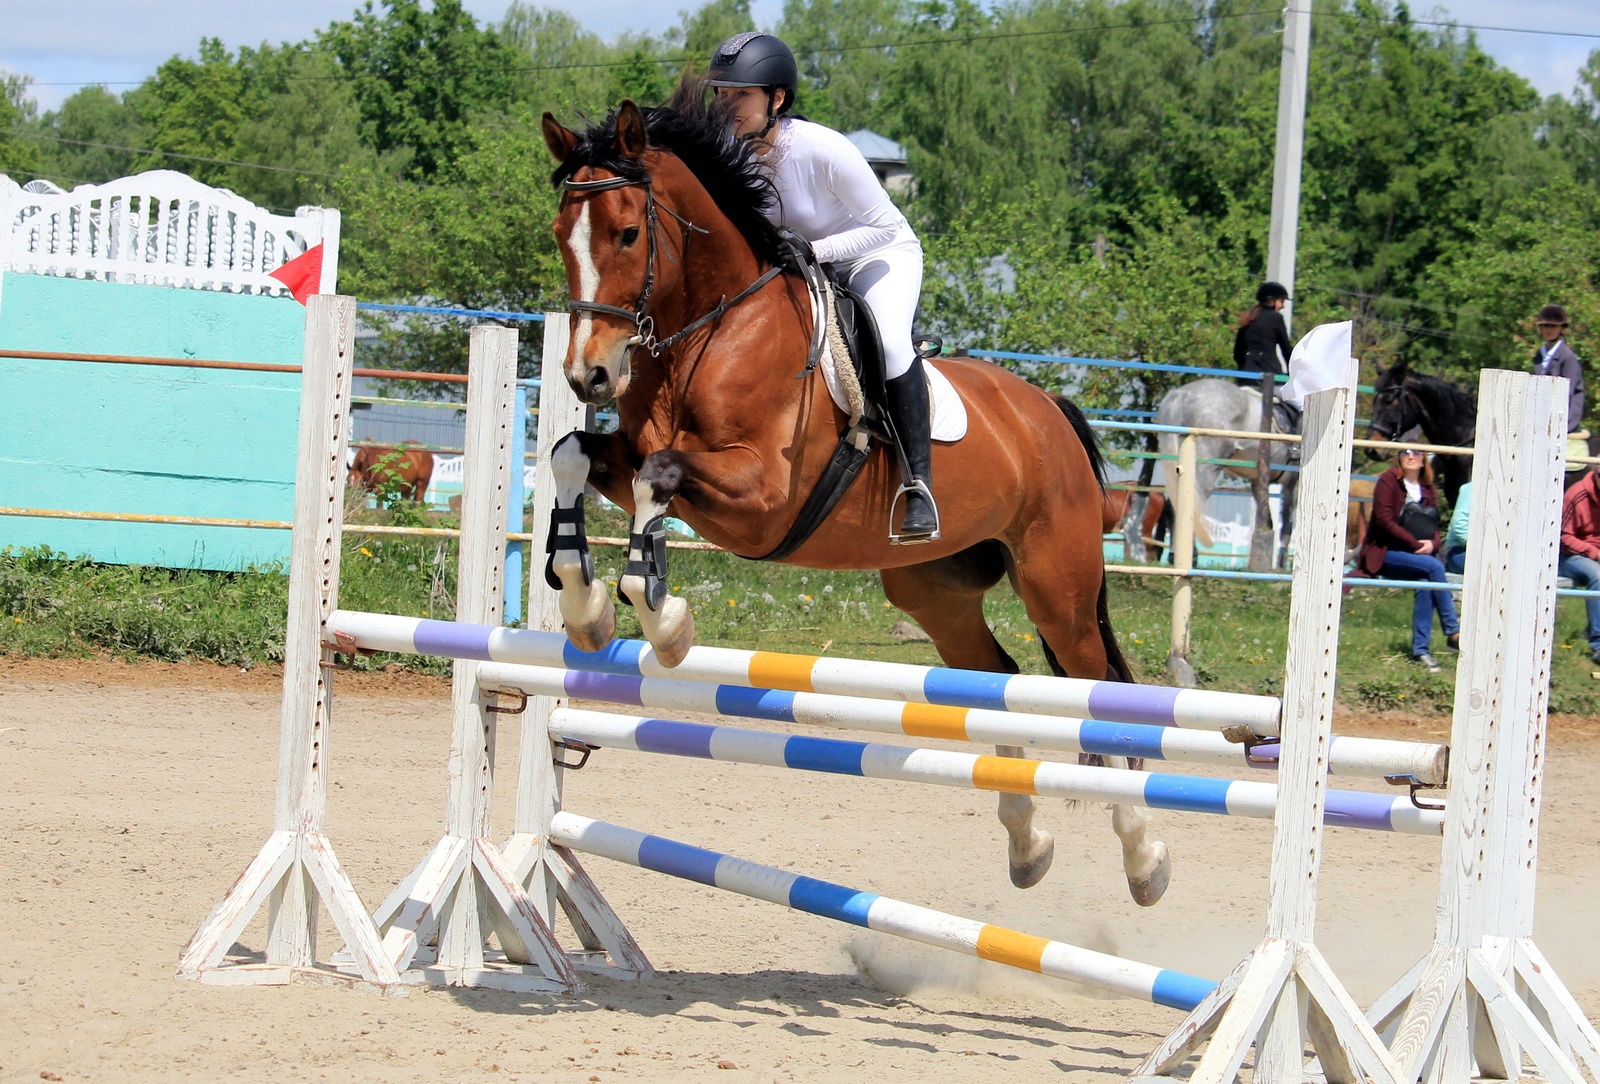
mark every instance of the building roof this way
{"type": "Point", "coordinates": [877, 148]}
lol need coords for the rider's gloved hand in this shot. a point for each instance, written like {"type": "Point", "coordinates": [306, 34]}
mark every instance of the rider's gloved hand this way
{"type": "Point", "coordinates": [797, 254]}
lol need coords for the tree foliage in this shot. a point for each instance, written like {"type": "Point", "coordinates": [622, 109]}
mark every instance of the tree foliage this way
{"type": "Point", "coordinates": [420, 77]}
{"type": "Point", "coordinates": [1092, 177]}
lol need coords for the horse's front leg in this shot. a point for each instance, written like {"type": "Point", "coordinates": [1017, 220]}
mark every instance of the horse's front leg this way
{"type": "Point", "coordinates": [586, 608]}
{"type": "Point", "coordinates": [665, 619]}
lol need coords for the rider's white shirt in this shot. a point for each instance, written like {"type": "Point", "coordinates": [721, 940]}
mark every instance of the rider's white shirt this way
{"type": "Point", "coordinates": [830, 196]}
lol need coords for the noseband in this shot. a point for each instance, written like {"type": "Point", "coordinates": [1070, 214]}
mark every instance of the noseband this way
{"type": "Point", "coordinates": [643, 323]}
{"type": "Point", "coordinates": [1405, 396]}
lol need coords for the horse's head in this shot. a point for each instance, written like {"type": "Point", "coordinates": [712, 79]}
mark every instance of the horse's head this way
{"type": "Point", "coordinates": [1394, 409]}
{"type": "Point", "coordinates": [606, 228]}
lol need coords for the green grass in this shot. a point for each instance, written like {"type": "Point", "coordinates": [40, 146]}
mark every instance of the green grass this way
{"type": "Point", "coordinates": [56, 607]}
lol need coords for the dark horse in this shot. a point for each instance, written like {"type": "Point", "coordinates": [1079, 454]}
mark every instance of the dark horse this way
{"type": "Point", "coordinates": [678, 315]}
{"type": "Point", "coordinates": [1446, 414]}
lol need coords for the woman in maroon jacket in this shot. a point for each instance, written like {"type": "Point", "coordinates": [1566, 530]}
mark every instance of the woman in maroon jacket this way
{"type": "Point", "coordinates": [1394, 553]}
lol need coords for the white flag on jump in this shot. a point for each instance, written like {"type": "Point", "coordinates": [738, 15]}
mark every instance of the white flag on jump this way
{"type": "Point", "coordinates": [1321, 360]}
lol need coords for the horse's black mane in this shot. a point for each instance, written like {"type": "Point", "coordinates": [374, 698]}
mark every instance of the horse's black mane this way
{"type": "Point", "coordinates": [699, 135]}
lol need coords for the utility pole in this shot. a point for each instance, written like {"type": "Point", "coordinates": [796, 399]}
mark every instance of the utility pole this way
{"type": "Point", "coordinates": [1285, 227]}
{"type": "Point", "coordinates": [1281, 240]}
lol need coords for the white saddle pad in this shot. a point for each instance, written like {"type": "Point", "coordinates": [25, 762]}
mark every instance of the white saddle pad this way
{"type": "Point", "coordinates": [949, 423]}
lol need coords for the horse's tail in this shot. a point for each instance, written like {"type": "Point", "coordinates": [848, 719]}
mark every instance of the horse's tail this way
{"type": "Point", "coordinates": [1116, 664]}
{"type": "Point", "coordinates": [1086, 437]}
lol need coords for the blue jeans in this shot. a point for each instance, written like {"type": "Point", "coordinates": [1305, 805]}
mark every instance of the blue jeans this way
{"type": "Point", "coordinates": [1585, 574]}
{"type": "Point", "coordinates": [1455, 560]}
{"type": "Point", "coordinates": [1423, 566]}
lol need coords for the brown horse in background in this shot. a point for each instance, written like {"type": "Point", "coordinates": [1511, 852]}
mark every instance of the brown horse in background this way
{"type": "Point", "coordinates": [408, 470]}
{"type": "Point", "coordinates": [678, 316]}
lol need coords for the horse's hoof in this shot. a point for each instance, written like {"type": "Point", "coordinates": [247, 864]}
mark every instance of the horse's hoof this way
{"type": "Point", "coordinates": [674, 632]}
{"type": "Point", "coordinates": [591, 623]}
{"type": "Point", "coordinates": [1029, 873]}
{"type": "Point", "coordinates": [594, 639]}
{"type": "Point", "coordinates": [1147, 892]}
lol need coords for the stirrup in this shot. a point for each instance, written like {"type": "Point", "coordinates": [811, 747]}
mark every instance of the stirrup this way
{"type": "Point", "coordinates": [916, 485]}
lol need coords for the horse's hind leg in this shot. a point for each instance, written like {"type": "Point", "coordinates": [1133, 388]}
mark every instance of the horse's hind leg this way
{"type": "Point", "coordinates": [1145, 861]}
{"type": "Point", "coordinates": [946, 598]}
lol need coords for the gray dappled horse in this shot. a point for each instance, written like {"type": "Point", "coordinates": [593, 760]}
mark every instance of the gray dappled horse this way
{"type": "Point", "coordinates": [1214, 403]}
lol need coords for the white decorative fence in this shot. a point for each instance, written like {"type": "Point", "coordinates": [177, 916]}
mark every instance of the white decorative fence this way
{"type": "Point", "coordinates": [160, 228]}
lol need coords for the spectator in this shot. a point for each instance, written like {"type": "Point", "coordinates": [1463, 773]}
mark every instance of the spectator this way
{"type": "Point", "coordinates": [1555, 358]}
{"type": "Point", "coordinates": [1580, 548]}
{"type": "Point", "coordinates": [1455, 539]}
{"type": "Point", "coordinates": [1401, 544]}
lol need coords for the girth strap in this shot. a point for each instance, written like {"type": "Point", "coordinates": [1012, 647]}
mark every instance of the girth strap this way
{"type": "Point", "coordinates": [837, 478]}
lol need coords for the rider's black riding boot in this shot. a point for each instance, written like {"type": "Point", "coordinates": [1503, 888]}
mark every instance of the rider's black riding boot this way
{"type": "Point", "coordinates": [909, 411]}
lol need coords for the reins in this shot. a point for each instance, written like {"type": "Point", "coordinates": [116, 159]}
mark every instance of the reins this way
{"type": "Point", "coordinates": [643, 322]}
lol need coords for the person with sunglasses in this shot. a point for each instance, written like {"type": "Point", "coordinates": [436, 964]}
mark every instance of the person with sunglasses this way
{"type": "Point", "coordinates": [1402, 543]}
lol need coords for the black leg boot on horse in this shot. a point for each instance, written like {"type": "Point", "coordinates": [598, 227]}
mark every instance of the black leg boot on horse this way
{"type": "Point", "coordinates": [910, 416]}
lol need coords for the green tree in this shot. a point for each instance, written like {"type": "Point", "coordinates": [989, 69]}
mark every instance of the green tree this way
{"type": "Point", "coordinates": [482, 240]}
{"type": "Point", "coordinates": [91, 133]}
{"type": "Point", "coordinates": [303, 123]}
{"type": "Point", "coordinates": [193, 108]}
{"type": "Point", "coordinates": [20, 157]}
{"type": "Point", "coordinates": [709, 25]}
{"type": "Point", "coordinates": [1541, 247]}
{"type": "Point", "coordinates": [559, 66]}
{"type": "Point", "coordinates": [422, 77]}
{"type": "Point", "coordinates": [641, 77]}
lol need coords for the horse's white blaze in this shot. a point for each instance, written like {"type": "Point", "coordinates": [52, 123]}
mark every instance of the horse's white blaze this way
{"type": "Point", "coordinates": [588, 279]}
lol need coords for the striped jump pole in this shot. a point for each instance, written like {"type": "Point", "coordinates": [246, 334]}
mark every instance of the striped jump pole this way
{"type": "Point", "coordinates": [1370, 758]}
{"type": "Point", "coordinates": [1106, 701]}
{"type": "Point", "coordinates": [871, 911]}
{"type": "Point", "coordinates": [1043, 778]}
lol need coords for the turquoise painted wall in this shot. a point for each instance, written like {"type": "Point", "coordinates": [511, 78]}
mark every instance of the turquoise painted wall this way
{"type": "Point", "coordinates": [147, 439]}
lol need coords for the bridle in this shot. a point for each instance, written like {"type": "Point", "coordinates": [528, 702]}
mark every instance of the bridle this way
{"type": "Point", "coordinates": [643, 323]}
{"type": "Point", "coordinates": [1404, 395]}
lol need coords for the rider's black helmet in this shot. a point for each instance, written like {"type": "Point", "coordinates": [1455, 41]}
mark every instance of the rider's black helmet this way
{"type": "Point", "coordinates": [753, 59]}
{"type": "Point", "coordinates": [1271, 291]}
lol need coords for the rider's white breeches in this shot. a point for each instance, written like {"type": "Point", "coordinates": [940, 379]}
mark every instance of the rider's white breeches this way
{"type": "Point", "coordinates": [890, 280]}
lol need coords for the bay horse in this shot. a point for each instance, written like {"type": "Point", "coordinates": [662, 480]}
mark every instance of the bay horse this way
{"type": "Point", "coordinates": [407, 470]}
{"type": "Point", "coordinates": [680, 315]}
{"type": "Point", "coordinates": [1216, 403]}
{"type": "Point", "coordinates": [1405, 400]}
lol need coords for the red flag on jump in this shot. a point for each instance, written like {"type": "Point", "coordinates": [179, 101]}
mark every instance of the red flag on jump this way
{"type": "Point", "coordinates": [303, 274]}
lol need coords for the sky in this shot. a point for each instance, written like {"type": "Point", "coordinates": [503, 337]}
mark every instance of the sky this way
{"type": "Point", "coordinates": [64, 44]}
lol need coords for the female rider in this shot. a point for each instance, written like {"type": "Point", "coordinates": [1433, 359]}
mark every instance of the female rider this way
{"type": "Point", "coordinates": [828, 195]}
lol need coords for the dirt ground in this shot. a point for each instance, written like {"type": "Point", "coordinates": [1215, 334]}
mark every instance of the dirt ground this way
{"type": "Point", "coordinates": [136, 794]}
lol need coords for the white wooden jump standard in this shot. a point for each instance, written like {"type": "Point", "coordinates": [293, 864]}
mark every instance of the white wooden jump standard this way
{"type": "Point", "coordinates": [296, 868]}
{"type": "Point", "coordinates": [1485, 992]}
{"type": "Point", "coordinates": [463, 888]}
{"type": "Point", "coordinates": [1284, 993]}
